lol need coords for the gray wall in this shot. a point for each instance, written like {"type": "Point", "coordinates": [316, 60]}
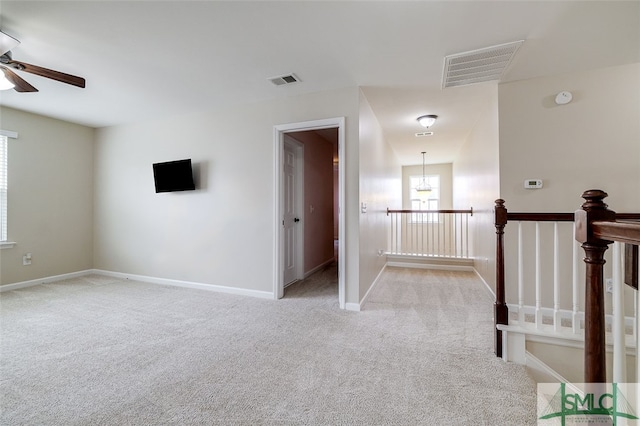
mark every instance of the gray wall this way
{"type": "Point", "coordinates": [50, 197]}
{"type": "Point", "coordinates": [592, 142]}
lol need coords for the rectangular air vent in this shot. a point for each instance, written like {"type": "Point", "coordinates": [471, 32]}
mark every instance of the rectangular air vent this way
{"type": "Point", "coordinates": [477, 66]}
{"type": "Point", "coordinates": [422, 134]}
{"type": "Point", "coordinates": [284, 79]}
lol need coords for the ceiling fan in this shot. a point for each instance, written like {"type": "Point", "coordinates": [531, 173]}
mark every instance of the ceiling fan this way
{"type": "Point", "coordinates": [7, 65]}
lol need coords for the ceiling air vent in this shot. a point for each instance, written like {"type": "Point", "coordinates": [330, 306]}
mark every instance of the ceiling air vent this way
{"type": "Point", "coordinates": [284, 79]}
{"type": "Point", "coordinates": [477, 66]}
{"type": "Point", "coordinates": [423, 134]}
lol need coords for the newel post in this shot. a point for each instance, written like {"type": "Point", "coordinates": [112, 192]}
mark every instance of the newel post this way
{"type": "Point", "coordinates": [501, 311]}
{"type": "Point", "coordinates": [593, 209]}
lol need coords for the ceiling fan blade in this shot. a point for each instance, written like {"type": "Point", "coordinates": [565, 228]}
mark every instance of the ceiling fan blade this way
{"type": "Point", "coordinates": [20, 84]}
{"type": "Point", "coordinates": [45, 72]}
{"type": "Point", "coordinates": [7, 43]}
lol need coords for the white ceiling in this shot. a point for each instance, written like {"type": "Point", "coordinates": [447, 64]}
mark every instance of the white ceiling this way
{"type": "Point", "coordinates": [149, 59]}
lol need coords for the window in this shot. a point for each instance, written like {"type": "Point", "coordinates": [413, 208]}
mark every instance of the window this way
{"type": "Point", "coordinates": [3, 188]}
{"type": "Point", "coordinates": [425, 201]}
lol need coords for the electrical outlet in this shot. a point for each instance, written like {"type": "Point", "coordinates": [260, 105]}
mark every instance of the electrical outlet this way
{"type": "Point", "coordinates": [609, 285]}
{"type": "Point", "coordinates": [26, 259]}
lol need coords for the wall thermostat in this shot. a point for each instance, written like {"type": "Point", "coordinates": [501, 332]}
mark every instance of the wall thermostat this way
{"type": "Point", "coordinates": [533, 183]}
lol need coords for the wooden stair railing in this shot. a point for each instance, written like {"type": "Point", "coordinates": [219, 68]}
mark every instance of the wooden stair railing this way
{"type": "Point", "coordinates": [596, 227]}
{"type": "Point", "coordinates": [596, 212]}
{"type": "Point", "coordinates": [430, 233]}
{"type": "Point", "coordinates": [502, 217]}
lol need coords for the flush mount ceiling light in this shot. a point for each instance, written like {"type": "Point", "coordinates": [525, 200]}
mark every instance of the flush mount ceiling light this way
{"type": "Point", "coordinates": [427, 120]}
{"type": "Point", "coordinates": [5, 83]}
{"type": "Point", "coordinates": [423, 186]}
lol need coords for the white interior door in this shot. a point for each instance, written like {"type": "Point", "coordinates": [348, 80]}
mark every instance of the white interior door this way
{"type": "Point", "coordinates": [292, 198]}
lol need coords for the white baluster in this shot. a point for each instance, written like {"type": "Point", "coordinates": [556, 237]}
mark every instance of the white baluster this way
{"type": "Point", "coordinates": [575, 303]}
{"type": "Point", "coordinates": [619, 344]}
{"type": "Point", "coordinates": [394, 233]}
{"type": "Point", "coordinates": [520, 277]}
{"type": "Point", "coordinates": [637, 327]}
{"type": "Point", "coordinates": [456, 233]}
{"type": "Point", "coordinates": [556, 278]}
{"type": "Point", "coordinates": [538, 314]}
{"type": "Point", "coordinates": [466, 233]}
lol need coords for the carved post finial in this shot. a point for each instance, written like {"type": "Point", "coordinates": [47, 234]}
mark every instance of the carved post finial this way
{"type": "Point", "coordinates": [500, 215]}
{"type": "Point", "coordinates": [593, 209]}
{"type": "Point", "coordinates": [594, 199]}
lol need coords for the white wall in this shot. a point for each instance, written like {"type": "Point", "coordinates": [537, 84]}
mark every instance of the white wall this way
{"type": "Point", "coordinates": [380, 187]}
{"type": "Point", "coordinates": [50, 198]}
{"type": "Point", "coordinates": [592, 142]}
{"type": "Point", "coordinates": [222, 233]}
{"type": "Point", "coordinates": [476, 183]}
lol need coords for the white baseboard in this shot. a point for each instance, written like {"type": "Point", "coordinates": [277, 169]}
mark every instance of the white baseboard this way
{"type": "Point", "coordinates": [45, 280]}
{"type": "Point", "coordinates": [357, 307]}
{"type": "Point", "coordinates": [487, 286]}
{"type": "Point", "coordinates": [317, 268]}
{"type": "Point", "coordinates": [352, 307]}
{"type": "Point", "coordinates": [152, 280]}
{"type": "Point", "coordinates": [410, 264]}
{"type": "Point", "coordinates": [187, 284]}
{"type": "Point", "coordinates": [550, 375]}
{"type": "Point", "coordinates": [373, 285]}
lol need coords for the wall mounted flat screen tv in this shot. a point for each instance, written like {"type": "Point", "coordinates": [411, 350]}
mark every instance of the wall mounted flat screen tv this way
{"type": "Point", "coordinates": [173, 176]}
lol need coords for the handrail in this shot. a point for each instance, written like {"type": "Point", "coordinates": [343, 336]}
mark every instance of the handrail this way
{"type": "Point", "coordinates": [560, 217]}
{"type": "Point", "coordinates": [627, 232]}
{"type": "Point", "coordinates": [540, 217]}
{"type": "Point", "coordinates": [470, 211]}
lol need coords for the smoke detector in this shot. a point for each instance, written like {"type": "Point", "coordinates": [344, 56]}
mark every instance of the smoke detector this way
{"type": "Point", "coordinates": [477, 66]}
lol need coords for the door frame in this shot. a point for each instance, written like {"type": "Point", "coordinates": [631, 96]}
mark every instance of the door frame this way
{"type": "Point", "coordinates": [278, 148]}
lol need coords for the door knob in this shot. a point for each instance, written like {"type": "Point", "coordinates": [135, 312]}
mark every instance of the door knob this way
{"type": "Point", "coordinates": [296, 220]}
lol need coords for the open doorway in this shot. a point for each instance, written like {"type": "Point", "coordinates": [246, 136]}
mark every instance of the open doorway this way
{"type": "Point", "coordinates": [309, 221]}
{"type": "Point", "coordinates": [311, 190]}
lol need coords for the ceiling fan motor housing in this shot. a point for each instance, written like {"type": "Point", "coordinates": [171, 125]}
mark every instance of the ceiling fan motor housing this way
{"type": "Point", "coordinates": [20, 85]}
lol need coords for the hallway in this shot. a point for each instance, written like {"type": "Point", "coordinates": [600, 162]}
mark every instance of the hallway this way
{"type": "Point", "coordinates": [430, 342]}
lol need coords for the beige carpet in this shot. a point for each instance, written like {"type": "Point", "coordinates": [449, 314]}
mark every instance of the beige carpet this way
{"type": "Point", "coordinates": [103, 351]}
